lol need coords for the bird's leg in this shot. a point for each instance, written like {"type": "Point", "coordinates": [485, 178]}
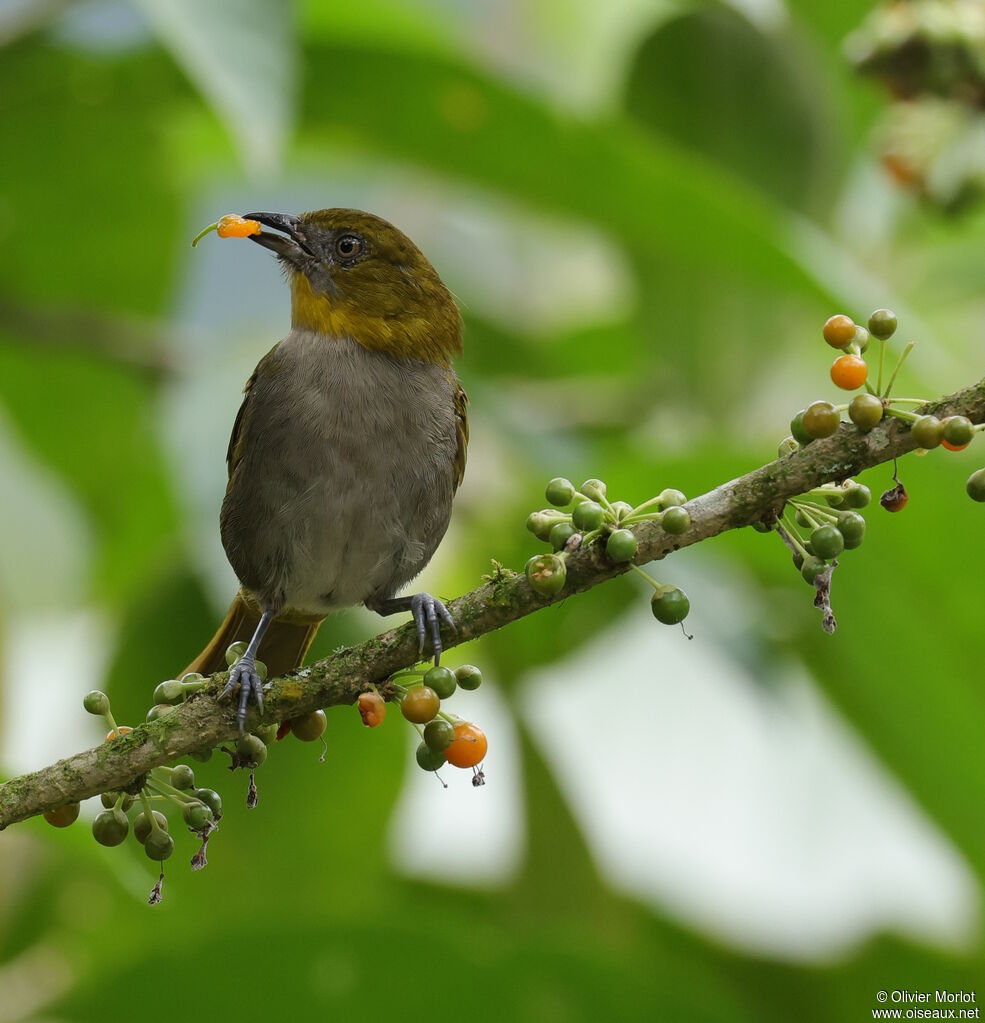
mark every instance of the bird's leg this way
{"type": "Point", "coordinates": [243, 677]}
{"type": "Point", "coordinates": [428, 612]}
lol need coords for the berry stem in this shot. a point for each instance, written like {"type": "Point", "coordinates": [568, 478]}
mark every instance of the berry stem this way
{"type": "Point", "coordinates": [910, 417]}
{"type": "Point", "coordinates": [908, 401]}
{"type": "Point", "coordinates": [882, 359]}
{"type": "Point", "coordinates": [646, 575]}
{"type": "Point", "coordinates": [788, 530]}
{"type": "Point", "coordinates": [168, 789]}
{"type": "Point", "coordinates": [899, 365]}
{"type": "Point", "coordinates": [148, 812]}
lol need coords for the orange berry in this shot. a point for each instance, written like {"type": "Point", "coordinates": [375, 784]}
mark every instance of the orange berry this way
{"type": "Point", "coordinates": [420, 704]}
{"type": "Point", "coordinates": [954, 447]}
{"type": "Point", "coordinates": [849, 372]}
{"type": "Point", "coordinates": [469, 746]}
{"type": "Point", "coordinates": [232, 225]}
{"type": "Point", "coordinates": [372, 708]}
{"type": "Point", "coordinates": [839, 330]}
{"type": "Point", "coordinates": [115, 733]}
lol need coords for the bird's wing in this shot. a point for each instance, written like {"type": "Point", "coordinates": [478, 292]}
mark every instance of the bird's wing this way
{"type": "Point", "coordinates": [462, 432]}
{"type": "Point", "coordinates": [235, 450]}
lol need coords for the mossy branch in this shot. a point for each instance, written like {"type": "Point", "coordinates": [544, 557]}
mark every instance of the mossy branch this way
{"type": "Point", "coordinates": [203, 722]}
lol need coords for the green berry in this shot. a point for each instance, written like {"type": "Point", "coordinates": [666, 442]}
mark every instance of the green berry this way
{"type": "Point", "coordinates": [800, 517]}
{"type": "Point", "coordinates": [821, 419]}
{"type": "Point", "coordinates": [827, 542]}
{"type": "Point", "coordinates": [251, 750]}
{"type": "Point", "coordinates": [865, 411]}
{"type": "Point", "coordinates": [438, 734]}
{"type": "Point", "coordinates": [469, 677]}
{"type": "Point", "coordinates": [851, 525]}
{"type": "Point", "coordinates": [787, 446]}
{"type": "Point", "coordinates": [309, 727]}
{"type": "Point", "coordinates": [110, 827]}
{"type": "Point", "coordinates": [958, 430]}
{"type": "Point", "coordinates": [203, 756]}
{"type": "Point", "coordinates": [429, 759]}
{"type": "Point", "coordinates": [235, 651]}
{"type": "Point", "coordinates": [621, 509]}
{"type": "Point", "coordinates": [183, 777]}
{"type": "Point", "coordinates": [142, 825]}
{"type": "Point", "coordinates": [588, 516]}
{"type": "Point", "coordinates": [211, 799]}
{"type": "Point", "coordinates": [197, 815]}
{"type": "Point", "coordinates": [812, 568]}
{"type": "Point", "coordinates": [62, 816]}
{"type": "Point", "coordinates": [670, 498]}
{"type": "Point", "coordinates": [560, 492]}
{"type": "Point", "coordinates": [159, 845]}
{"type": "Point", "coordinates": [159, 710]}
{"type": "Point", "coordinates": [546, 573]}
{"type": "Point", "coordinates": [862, 339]}
{"type": "Point", "coordinates": [169, 692]}
{"type": "Point", "coordinates": [442, 680]}
{"type": "Point", "coordinates": [540, 523]}
{"type": "Point", "coordinates": [621, 545]}
{"type": "Point", "coordinates": [593, 489]}
{"type": "Point", "coordinates": [797, 431]}
{"type": "Point", "coordinates": [976, 485]}
{"type": "Point", "coordinates": [561, 533]}
{"type": "Point", "coordinates": [882, 324]}
{"type": "Point", "coordinates": [670, 605]}
{"type": "Point", "coordinates": [675, 520]}
{"type": "Point", "coordinates": [857, 495]}
{"type": "Point", "coordinates": [96, 702]}
{"type": "Point", "coordinates": [928, 432]}
{"type": "Point", "coordinates": [266, 733]}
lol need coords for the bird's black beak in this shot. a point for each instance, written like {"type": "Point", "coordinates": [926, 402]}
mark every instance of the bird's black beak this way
{"type": "Point", "coordinates": [291, 246]}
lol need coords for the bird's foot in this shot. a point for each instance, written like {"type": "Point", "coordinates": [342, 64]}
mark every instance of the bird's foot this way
{"type": "Point", "coordinates": [428, 613]}
{"type": "Point", "coordinates": [245, 681]}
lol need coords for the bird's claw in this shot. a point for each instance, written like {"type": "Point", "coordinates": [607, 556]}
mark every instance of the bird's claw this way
{"type": "Point", "coordinates": [429, 612]}
{"type": "Point", "coordinates": [244, 680]}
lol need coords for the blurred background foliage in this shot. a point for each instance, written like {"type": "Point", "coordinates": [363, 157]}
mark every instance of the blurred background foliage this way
{"type": "Point", "coordinates": [647, 209]}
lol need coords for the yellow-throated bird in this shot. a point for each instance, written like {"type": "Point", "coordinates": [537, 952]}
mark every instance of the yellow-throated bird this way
{"type": "Point", "coordinates": [348, 447]}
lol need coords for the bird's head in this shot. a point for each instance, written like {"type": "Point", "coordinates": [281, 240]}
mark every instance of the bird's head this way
{"type": "Point", "coordinates": [355, 275]}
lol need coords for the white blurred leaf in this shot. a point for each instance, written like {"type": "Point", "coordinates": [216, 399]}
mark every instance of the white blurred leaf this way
{"type": "Point", "coordinates": [241, 55]}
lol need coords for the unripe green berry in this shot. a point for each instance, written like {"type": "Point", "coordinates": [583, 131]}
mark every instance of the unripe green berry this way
{"type": "Point", "coordinates": [561, 533]}
{"type": "Point", "coordinates": [621, 545]}
{"type": "Point", "coordinates": [958, 430]}
{"type": "Point", "coordinates": [858, 495]}
{"type": "Point", "coordinates": [882, 324]}
{"type": "Point", "coordinates": [821, 419]}
{"type": "Point", "coordinates": [670, 605]}
{"type": "Point", "coordinates": [159, 846]}
{"type": "Point", "coordinates": [588, 516]}
{"type": "Point", "coordinates": [197, 815]}
{"type": "Point", "coordinates": [861, 339]}
{"type": "Point", "coordinates": [108, 799]}
{"type": "Point", "coordinates": [927, 431]}
{"type": "Point", "coordinates": [110, 827]}
{"type": "Point", "coordinates": [827, 542]}
{"type": "Point", "coordinates": [976, 485]}
{"type": "Point", "coordinates": [442, 680]}
{"type": "Point", "coordinates": [865, 411]}
{"type": "Point", "coordinates": [546, 574]}
{"type": "Point", "coordinates": [159, 710]}
{"type": "Point", "coordinates": [560, 492]}
{"type": "Point", "coordinates": [593, 489]}
{"type": "Point", "coordinates": [429, 759]}
{"type": "Point", "coordinates": [251, 750]}
{"type": "Point", "coordinates": [797, 431]}
{"type": "Point", "coordinates": [62, 816]}
{"type": "Point", "coordinates": [96, 702]}
{"type": "Point", "coordinates": [211, 799]}
{"type": "Point", "coordinates": [169, 692]}
{"type": "Point", "coordinates": [469, 677]}
{"type": "Point", "coordinates": [142, 825]}
{"type": "Point", "coordinates": [851, 525]}
{"type": "Point", "coordinates": [812, 568]}
{"type": "Point", "coordinates": [670, 498]}
{"type": "Point", "coordinates": [438, 734]}
{"type": "Point", "coordinates": [235, 651]}
{"type": "Point", "coordinates": [675, 520]}
{"type": "Point", "coordinates": [183, 777]}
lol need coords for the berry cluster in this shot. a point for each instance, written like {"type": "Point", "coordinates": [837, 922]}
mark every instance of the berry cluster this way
{"type": "Point", "coordinates": [585, 515]}
{"type": "Point", "coordinates": [445, 738]}
{"type": "Point", "coordinates": [829, 515]}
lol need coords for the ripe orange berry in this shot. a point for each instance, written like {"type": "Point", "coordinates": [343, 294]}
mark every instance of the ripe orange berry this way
{"type": "Point", "coordinates": [232, 225]}
{"type": "Point", "coordinates": [115, 733]}
{"type": "Point", "coordinates": [839, 330]}
{"type": "Point", "coordinates": [469, 746]}
{"type": "Point", "coordinates": [372, 708]}
{"type": "Point", "coordinates": [849, 372]}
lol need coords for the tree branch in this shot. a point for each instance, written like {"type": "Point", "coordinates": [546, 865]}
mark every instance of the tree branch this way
{"type": "Point", "coordinates": [202, 722]}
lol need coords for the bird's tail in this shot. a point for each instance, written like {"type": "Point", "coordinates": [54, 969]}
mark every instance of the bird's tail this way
{"type": "Point", "coordinates": [283, 648]}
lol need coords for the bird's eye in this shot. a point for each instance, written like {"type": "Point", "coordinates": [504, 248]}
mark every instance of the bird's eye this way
{"type": "Point", "coordinates": [348, 246]}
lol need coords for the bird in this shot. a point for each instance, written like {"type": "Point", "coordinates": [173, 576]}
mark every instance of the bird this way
{"type": "Point", "coordinates": [347, 450]}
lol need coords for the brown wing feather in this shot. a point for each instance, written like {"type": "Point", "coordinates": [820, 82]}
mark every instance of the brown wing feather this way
{"type": "Point", "coordinates": [462, 433]}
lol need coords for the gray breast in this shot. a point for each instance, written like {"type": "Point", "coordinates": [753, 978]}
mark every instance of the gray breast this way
{"type": "Point", "coordinates": [345, 485]}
